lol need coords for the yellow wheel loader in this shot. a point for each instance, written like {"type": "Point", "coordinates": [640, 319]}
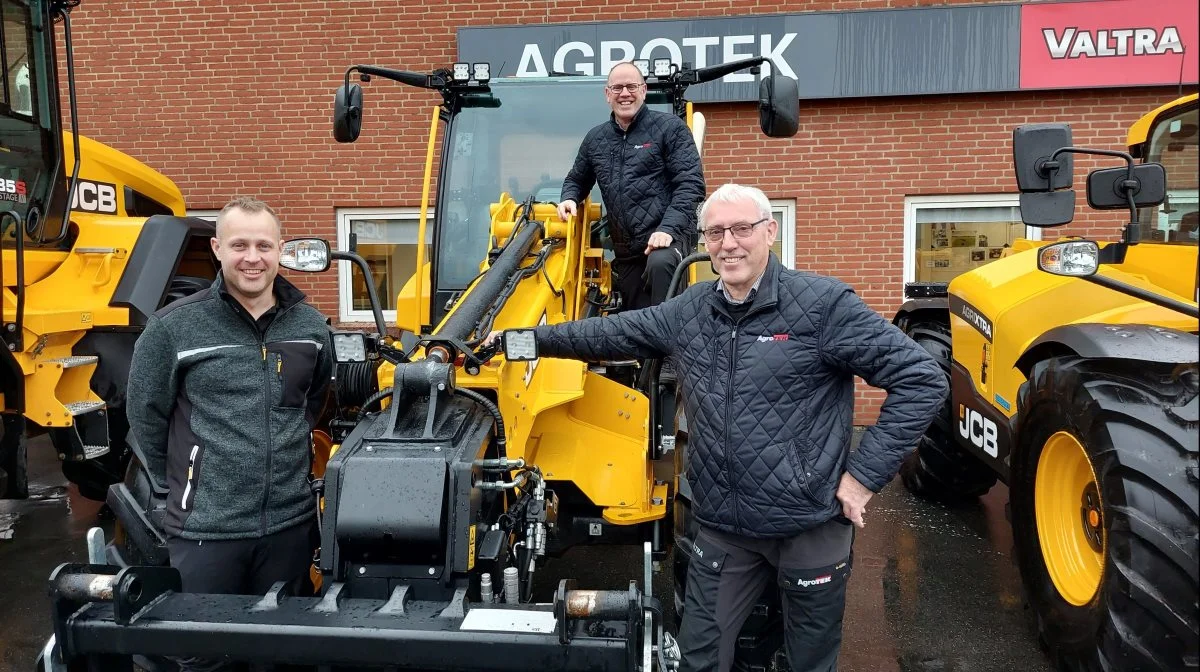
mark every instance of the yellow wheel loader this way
{"type": "Point", "coordinates": [92, 241]}
{"type": "Point", "coordinates": [1074, 380]}
{"type": "Point", "coordinates": [453, 470]}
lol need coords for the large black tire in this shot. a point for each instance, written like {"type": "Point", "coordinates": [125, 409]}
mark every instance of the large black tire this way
{"type": "Point", "coordinates": [14, 479]}
{"type": "Point", "coordinates": [939, 469]}
{"type": "Point", "coordinates": [1137, 424]}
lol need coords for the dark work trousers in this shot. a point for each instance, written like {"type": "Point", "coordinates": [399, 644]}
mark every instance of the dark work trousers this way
{"type": "Point", "coordinates": [643, 280]}
{"type": "Point", "coordinates": [727, 574]}
{"type": "Point", "coordinates": [242, 567]}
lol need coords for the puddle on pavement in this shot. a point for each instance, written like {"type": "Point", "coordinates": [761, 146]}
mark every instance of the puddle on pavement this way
{"type": "Point", "coordinates": [7, 522]}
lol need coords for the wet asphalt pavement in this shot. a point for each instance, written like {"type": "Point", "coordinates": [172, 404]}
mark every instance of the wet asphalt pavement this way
{"type": "Point", "coordinates": [934, 589]}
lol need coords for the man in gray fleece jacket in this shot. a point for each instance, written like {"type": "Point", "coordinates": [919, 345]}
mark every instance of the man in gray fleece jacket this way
{"type": "Point", "coordinates": [225, 388]}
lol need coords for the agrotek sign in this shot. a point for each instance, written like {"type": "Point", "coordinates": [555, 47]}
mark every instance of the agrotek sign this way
{"type": "Point", "coordinates": [928, 50]}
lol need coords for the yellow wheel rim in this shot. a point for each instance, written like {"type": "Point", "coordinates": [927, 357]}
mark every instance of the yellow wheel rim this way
{"type": "Point", "coordinates": [1070, 519]}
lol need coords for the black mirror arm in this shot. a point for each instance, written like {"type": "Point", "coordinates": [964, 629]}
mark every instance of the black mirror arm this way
{"type": "Point", "coordinates": [372, 295]}
{"type": "Point", "coordinates": [708, 74]}
{"type": "Point", "coordinates": [434, 81]}
{"type": "Point", "coordinates": [1128, 187]}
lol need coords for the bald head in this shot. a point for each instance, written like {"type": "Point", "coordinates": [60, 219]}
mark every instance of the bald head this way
{"type": "Point", "coordinates": [625, 68]}
{"type": "Point", "coordinates": [625, 92]}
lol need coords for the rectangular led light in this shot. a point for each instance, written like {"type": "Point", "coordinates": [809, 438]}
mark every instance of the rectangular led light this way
{"type": "Point", "coordinates": [349, 346]}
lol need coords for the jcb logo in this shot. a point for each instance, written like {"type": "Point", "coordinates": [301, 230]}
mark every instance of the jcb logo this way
{"type": "Point", "coordinates": [978, 430]}
{"type": "Point", "coordinates": [95, 197]}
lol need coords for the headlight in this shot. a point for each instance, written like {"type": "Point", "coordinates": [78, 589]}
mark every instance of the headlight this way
{"type": "Point", "coordinates": [520, 345]}
{"type": "Point", "coordinates": [349, 346]}
{"type": "Point", "coordinates": [1074, 258]}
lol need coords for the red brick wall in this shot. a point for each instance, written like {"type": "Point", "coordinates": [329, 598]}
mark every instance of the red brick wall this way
{"type": "Point", "coordinates": [235, 98]}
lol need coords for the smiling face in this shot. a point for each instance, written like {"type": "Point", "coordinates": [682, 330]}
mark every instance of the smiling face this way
{"type": "Point", "coordinates": [625, 103]}
{"type": "Point", "coordinates": [739, 261]}
{"type": "Point", "coordinates": [247, 245]}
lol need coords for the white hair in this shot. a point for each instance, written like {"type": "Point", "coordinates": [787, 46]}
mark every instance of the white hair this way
{"type": "Point", "coordinates": [736, 193]}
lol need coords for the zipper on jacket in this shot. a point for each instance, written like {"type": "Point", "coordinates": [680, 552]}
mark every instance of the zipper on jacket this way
{"type": "Point", "coordinates": [728, 404]}
{"type": "Point", "coordinates": [187, 489]}
{"type": "Point", "coordinates": [267, 420]}
{"type": "Point", "coordinates": [266, 373]}
{"type": "Point", "coordinates": [270, 444]}
{"type": "Point", "coordinates": [620, 171]}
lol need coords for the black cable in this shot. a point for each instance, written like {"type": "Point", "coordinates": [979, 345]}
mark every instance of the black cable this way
{"type": "Point", "coordinates": [374, 399]}
{"type": "Point", "coordinates": [546, 274]}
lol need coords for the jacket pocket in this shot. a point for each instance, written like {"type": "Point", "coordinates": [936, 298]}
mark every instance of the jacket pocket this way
{"type": "Point", "coordinates": [293, 364]}
{"type": "Point", "coordinates": [193, 475]}
{"type": "Point", "coordinates": [807, 477]}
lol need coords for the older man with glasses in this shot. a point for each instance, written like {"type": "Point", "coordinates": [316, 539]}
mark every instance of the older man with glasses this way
{"type": "Point", "coordinates": [767, 358]}
{"type": "Point", "coordinates": [649, 172]}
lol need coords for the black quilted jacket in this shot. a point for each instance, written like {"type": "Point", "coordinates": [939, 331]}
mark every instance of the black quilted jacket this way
{"type": "Point", "coordinates": [650, 178]}
{"type": "Point", "coordinates": [770, 399]}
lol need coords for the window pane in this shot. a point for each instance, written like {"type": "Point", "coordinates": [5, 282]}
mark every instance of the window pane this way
{"type": "Point", "coordinates": [954, 240]}
{"type": "Point", "coordinates": [390, 250]}
{"type": "Point", "coordinates": [18, 88]}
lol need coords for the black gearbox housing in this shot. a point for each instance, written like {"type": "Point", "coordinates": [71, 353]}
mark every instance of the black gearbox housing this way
{"type": "Point", "coordinates": [401, 501]}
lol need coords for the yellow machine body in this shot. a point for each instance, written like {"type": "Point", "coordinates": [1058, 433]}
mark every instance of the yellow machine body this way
{"type": "Point", "coordinates": [1022, 304]}
{"type": "Point", "coordinates": [67, 291]}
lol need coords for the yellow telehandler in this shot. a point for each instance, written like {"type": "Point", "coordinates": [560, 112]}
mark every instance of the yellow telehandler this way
{"type": "Point", "coordinates": [1074, 380]}
{"type": "Point", "coordinates": [91, 242]}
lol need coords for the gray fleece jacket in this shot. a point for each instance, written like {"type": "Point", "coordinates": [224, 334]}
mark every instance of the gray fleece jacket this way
{"type": "Point", "coordinates": [223, 411]}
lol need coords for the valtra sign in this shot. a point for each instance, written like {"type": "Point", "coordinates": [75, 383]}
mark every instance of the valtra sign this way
{"type": "Point", "coordinates": [1109, 43]}
{"type": "Point", "coordinates": [907, 51]}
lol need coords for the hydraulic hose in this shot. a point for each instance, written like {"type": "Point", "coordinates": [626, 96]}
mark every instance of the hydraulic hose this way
{"type": "Point", "coordinates": [371, 401]}
{"type": "Point", "coordinates": [355, 382]}
{"type": "Point", "coordinates": [501, 441]}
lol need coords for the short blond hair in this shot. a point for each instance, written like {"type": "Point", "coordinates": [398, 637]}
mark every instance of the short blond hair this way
{"type": "Point", "coordinates": [250, 206]}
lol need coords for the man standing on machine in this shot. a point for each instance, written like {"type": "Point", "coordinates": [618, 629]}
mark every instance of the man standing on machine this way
{"type": "Point", "coordinates": [649, 172]}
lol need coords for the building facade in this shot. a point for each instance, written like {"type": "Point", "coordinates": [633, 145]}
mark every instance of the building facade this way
{"type": "Point", "coordinates": [901, 171]}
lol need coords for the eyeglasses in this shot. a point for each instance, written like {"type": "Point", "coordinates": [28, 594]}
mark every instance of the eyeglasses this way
{"type": "Point", "coordinates": [739, 230]}
{"type": "Point", "coordinates": [617, 88]}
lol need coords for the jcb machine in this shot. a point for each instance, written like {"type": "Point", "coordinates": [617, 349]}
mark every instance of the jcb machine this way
{"type": "Point", "coordinates": [82, 265]}
{"type": "Point", "coordinates": [456, 471]}
{"type": "Point", "coordinates": [1073, 369]}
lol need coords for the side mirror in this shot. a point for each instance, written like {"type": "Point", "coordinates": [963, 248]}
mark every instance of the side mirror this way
{"type": "Point", "coordinates": [1042, 202]}
{"type": "Point", "coordinates": [520, 345]}
{"type": "Point", "coordinates": [779, 106]}
{"type": "Point", "coordinates": [1074, 258]}
{"type": "Point", "coordinates": [1104, 187]}
{"type": "Point", "coordinates": [308, 255]}
{"type": "Point", "coordinates": [347, 112]}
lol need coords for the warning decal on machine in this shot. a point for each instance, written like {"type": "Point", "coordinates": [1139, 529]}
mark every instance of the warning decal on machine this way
{"type": "Point", "coordinates": [509, 620]}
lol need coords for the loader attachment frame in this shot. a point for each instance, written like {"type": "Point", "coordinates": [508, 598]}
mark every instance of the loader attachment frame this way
{"type": "Point", "coordinates": [102, 610]}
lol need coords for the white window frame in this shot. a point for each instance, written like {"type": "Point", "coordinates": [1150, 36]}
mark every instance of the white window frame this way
{"type": "Point", "coordinates": [344, 215]}
{"type": "Point", "coordinates": [787, 229]}
{"type": "Point", "coordinates": [914, 203]}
